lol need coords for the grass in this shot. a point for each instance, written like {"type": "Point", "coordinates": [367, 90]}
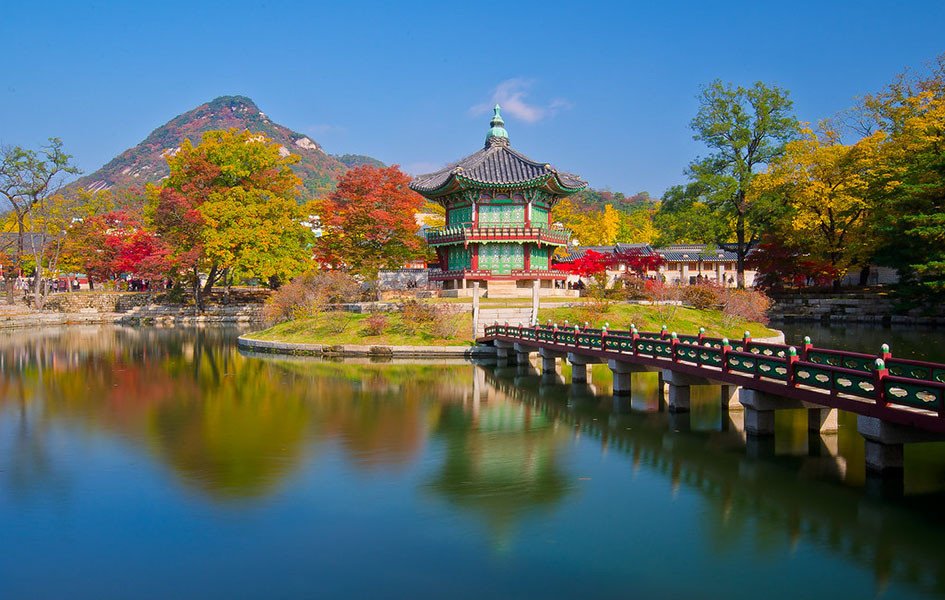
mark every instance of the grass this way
{"type": "Point", "coordinates": [350, 328]}
{"type": "Point", "coordinates": [648, 318]}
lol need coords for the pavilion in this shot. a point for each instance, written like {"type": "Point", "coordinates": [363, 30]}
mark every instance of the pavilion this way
{"type": "Point", "coordinates": [498, 228]}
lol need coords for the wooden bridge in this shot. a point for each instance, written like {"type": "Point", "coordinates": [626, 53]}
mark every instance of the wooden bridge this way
{"type": "Point", "coordinates": [898, 401]}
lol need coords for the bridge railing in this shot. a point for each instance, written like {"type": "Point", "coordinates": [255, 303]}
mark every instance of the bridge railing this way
{"type": "Point", "coordinates": [881, 378]}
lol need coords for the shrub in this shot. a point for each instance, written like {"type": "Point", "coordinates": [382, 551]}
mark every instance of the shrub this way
{"type": "Point", "coordinates": [309, 294]}
{"type": "Point", "coordinates": [634, 288]}
{"type": "Point", "coordinates": [703, 296]}
{"type": "Point", "coordinates": [666, 298]}
{"type": "Point", "coordinates": [744, 305]}
{"type": "Point", "coordinates": [447, 321]}
{"type": "Point", "coordinates": [416, 315]}
{"type": "Point", "coordinates": [376, 324]}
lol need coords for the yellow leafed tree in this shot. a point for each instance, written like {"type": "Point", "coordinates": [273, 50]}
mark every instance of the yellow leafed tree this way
{"type": "Point", "coordinates": [826, 186]}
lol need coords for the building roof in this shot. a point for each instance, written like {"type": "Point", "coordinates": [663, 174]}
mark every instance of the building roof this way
{"type": "Point", "coordinates": [497, 166]}
{"type": "Point", "coordinates": [695, 253]}
{"type": "Point", "coordinates": [579, 251]}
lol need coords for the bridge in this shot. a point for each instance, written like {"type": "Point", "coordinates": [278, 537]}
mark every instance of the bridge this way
{"type": "Point", "coordinates": [897, 401]}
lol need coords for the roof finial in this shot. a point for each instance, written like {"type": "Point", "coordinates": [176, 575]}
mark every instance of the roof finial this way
{"type": "Point", "coordinates": [497, 131]}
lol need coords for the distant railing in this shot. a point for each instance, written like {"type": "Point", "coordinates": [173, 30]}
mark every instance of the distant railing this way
{"type": "Point", "coordinates": [451, 234]}
{"type": "Point", "coordinates": [882, 378]}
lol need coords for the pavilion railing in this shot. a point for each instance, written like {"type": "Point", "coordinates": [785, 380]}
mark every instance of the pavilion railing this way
{"type": "Point", "coordinates": [880, 378]}
{"type": "Point", "coordinates": [449, 234]}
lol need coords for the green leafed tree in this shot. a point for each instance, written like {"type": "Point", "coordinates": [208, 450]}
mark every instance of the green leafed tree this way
{"type": "Point", "coordinates": [745, 129]}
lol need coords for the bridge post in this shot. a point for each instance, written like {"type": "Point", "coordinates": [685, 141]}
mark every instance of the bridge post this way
{"type": "Point", "coordinates": [729, 397]}
{"type": "Point", "coordinates": [884, 443]}
{"type": "Point", "coordinates": [760, 408]}
{"type": "Point", "coordinates": [579, 366]}
{"type": "Point", "coordinates": [549, 360]}
{"type": "Point", "coordinates": [679, 388]}
{"type": "Point", "coordinates": [822, 420]}
{"type": "Point", "coordinates": [622, 375]}
{"type": "Point", "coordinates": [523, 353]}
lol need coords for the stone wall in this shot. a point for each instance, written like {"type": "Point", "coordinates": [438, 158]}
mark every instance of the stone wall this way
{"type": "Point", "coordinates": [850, 307]}
{"type": "Point", "coordinates": [89, 302]}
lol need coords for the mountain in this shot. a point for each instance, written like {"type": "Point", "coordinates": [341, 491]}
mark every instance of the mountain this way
{"type": "Point", "coordinates": [146, 163]}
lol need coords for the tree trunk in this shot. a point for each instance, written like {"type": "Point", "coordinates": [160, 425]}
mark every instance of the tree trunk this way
{"type": "Point", "coordinates": [227, 281]}
{"type": "Point", "coordinates": [211, 279]}
{"type": "Point", "coordinates": [741, 250]}
{"type": "Point", "coordinates": [865, 276]}
{"type": "Point", "coordinates": [37, 291]}
{"type": "Point", "coordinates": [198, 304]}
{"type": "Point", "coordinates": [91, 285]}
{"type": "Point", "coordinates": [9, 282]}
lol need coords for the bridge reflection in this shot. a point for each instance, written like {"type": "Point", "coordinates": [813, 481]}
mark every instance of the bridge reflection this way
{"type": "Point", "coordinates": [747, 479]}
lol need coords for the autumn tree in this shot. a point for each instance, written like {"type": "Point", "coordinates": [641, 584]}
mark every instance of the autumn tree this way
{"type": "Point", "coordinates": [228, 207]}
{"type": "Point", "coordinates": [116, 243]}
{"type": "Point", "coordinates": [825, 186]}
{"type": "Point", "coordinates": [910, 184]}
{"type": "Point", "coordinates": [27, 178]}
{"type": "Point", "coordinates": [588, 225]}
{"type": "Point", "coordinates": [746, 128]}
{"type": "Point", "coordinates": [369, 222]}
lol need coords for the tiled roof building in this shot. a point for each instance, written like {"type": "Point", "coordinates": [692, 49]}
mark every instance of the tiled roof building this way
{"type": "Point", "coordinates": [498, 217]}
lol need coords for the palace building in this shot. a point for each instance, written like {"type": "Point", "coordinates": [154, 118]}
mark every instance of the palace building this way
{"type": "Point", "coordinates": [498, 228]}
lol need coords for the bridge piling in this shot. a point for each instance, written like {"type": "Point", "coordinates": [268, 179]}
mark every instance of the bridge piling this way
{"type": "Point", "coordinates": [549, 360]}
{"type": "Point", "coordinates": [729, 397]}
{"type": "Point", "coordinates": [822, 420]}
{"type": "Point", "coordinates": [579, 366]}
{"type": "Point", "coordinates": [885, 441]}
{"type": "Point", "coordinates": [760, 408]}
{"type": "Point", "coordinates": [623, 372]}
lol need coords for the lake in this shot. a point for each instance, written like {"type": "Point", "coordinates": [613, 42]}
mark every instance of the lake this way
{"type": "Point", "coordinates": [165, 463]}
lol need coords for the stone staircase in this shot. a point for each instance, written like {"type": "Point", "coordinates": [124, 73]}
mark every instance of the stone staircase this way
{"type": "Point", "coordinates": [514, 316]}
{"type": "Point", "coordinates": [505, 289]}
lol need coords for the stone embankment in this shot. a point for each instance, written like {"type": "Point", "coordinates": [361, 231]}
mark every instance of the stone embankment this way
{"type": "Point", "coordinates": [848, 307]}
{"type": "Point", "coordinates": [124, 309]}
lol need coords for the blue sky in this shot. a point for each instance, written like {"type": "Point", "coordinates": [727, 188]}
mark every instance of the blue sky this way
{"type": "Point", "coordinates": [605, 90]}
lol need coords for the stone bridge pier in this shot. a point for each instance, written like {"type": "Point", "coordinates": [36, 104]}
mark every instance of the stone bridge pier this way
{"type": "Point", "coordinates": [760, 408]}
{"type": "Point", "coordinates": [579, 364]}
{"type": "Point", "coordinates": [680, 392]}
{"type": "Point", "coordinates": [623, 372]}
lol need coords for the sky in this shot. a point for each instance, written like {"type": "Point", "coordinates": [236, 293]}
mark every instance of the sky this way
{"type": "Point", "coordinates": [605, 90]}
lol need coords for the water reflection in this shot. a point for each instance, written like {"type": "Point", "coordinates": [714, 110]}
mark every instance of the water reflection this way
{"type": "Point", "coordinates": [502, 446]}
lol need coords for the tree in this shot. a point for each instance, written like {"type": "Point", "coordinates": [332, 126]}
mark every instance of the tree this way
{"type": "Point", "coordinates": [911, 186]}
{"type": "Point", "coordinates": [636, 226]}
{"type": "Point", "coordinates": [48, 229]}
{"type": "Point", "coordinates": [746, 129]}
{"type": "Point", "coordinates": [684, 216]}
{"type": "Point", "coordinates": [826, 186]}
{"type": "Point", "coordinates": [116, 243]}
{"type": "Point", "coordinates": [590, 227]}
{"type": "Point", "coordinates": [369, 223]}
{"type": "Point", "coordinates": [229, 206]}
{"type": "Point", "coordinates": [28, 177]}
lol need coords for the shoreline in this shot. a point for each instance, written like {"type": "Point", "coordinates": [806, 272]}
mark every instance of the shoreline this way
{"type": "Point", "coordinates": [389, 351]}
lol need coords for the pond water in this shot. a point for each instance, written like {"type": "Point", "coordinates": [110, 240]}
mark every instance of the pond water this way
{"type": "Point", "coordinates": [154, 463]}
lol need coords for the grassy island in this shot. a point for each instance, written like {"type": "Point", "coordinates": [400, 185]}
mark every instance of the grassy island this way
{"type": "Point", "coordinates": [403, 329]}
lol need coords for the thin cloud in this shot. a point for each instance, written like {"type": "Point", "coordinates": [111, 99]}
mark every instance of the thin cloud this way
{"type": "Point", "coordinates": [512, 95]}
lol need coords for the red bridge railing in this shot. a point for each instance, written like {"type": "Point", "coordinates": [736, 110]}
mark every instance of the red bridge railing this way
{"type": "Point", "coordinates": [881, 379]}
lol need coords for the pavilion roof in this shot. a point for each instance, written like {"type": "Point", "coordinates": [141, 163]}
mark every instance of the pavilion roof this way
{"type": "Point", "coordinates": [497, 165]}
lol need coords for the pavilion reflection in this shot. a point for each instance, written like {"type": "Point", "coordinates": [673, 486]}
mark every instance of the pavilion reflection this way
{"type": "Point", "coordinates": [502, 458]}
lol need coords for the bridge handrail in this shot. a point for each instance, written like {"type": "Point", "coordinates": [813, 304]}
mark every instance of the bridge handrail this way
{"type": "Point", "coordinates": [746, 357]}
